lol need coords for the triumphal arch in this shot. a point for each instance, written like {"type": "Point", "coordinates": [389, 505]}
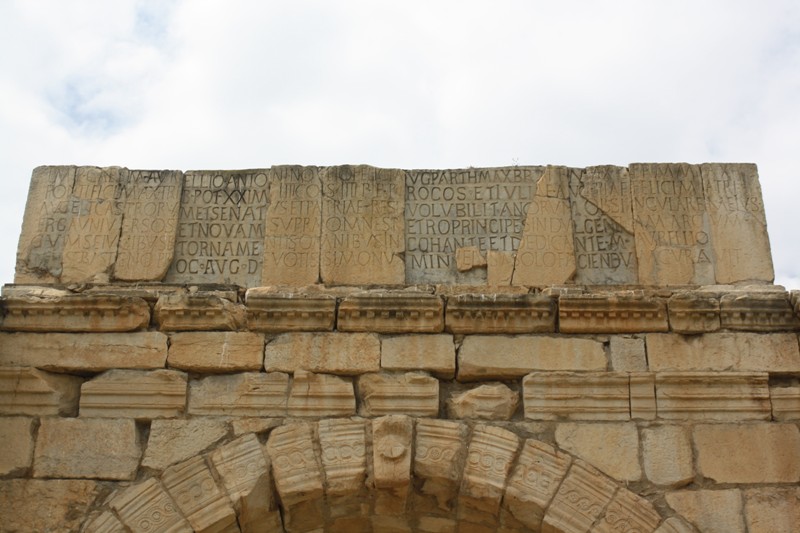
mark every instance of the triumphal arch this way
{"type": "Point", "coordinates": [358, 349]}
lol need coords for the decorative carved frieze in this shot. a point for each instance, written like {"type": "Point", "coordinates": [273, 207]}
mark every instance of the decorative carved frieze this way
{"type": "Point", "coordinates": [344, 457]}
{"type": "Point", "coordinates": [758, 312]}
{"type": "Point", "coordinates": [500, 313]}
{"type": "Point", "coordinates": [146, 507]}
{"type": "Point", "coordinates": [713, 395]}
{"type": "Point", "coordinates": [693, 312]}
{"type": "Point", "coordinates": [134, 394]}
{"type": "Point", "coordinates": [439, 455]}
{"type": "Point", "coordinates": [198, 312]}
{"type": "Point", "coordinates": [74, 313]}
{"type": "Point", "coordinates": [391, 312]}
{"type": "Point", "coordinates": [391, 455]}
{"type": "Point", "coordinates": [576, 396]}
{"type": "Point", "coordinates": [413, 393]}
{"type": "Point", "coordinates": [611, 313]}
{"type": "Point", "coordinates": [580, 500]}
{"type": "Point", "coordinates": [320, 395]}
{"type": "Point", "coordinates": [628, 512]}
{"type": "Point", "coordinates": [489, 457]}
{"type": "Point", "coordinates": [28, 391]}
{"type": "Point", "coordinates": [278, 312]}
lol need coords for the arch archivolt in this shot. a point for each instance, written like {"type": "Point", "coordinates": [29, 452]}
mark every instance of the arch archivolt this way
{"type": "Point", "coordinates": [393, 473]}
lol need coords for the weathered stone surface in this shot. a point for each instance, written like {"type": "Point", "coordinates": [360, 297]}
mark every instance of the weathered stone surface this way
{"type": "Point", "coordinates": [693, 312]}
{"type": "Point", "coordinates": [432, 353]}
{"type": "Point", "coordinates": [215, 352]}
{"type": "Point", "coordinates": [643, 395]}
{"type": "Point", "coordinates": [777, 352]}
{"type": "Point", "coordinates": [500, 313]}
{"type": "Point", "coordinates": [391, 312]}
{"type": "Point", "coordinates": [274, 311]}
{"type": "Point", "coordinates": [245, 394]}
{"type": "Point", "coordinates": [455, 217]}
{"type": "Point", "coordinates": [493, 401]}
{"type": "Point", "coordinates": [772, 510]}
{"type": "Point", "coordinates": [105, 522]}
{"type": "Point", "coordinates": [758, 312]}
{"type": "Point", "coordinates": [738, 222]}
{"type": "Point", "coordinates": [495, 357]}
{"type": "Point", "coordinates": [146, 506]}
{"type": "Point", "coordinates": [198, 497]}
{"type": "Point", "coordinates": [576, 396]}
{"type": "Point", "coordinates": [293, 226]}
{"type": "Point", "coordinates": [439, 455]}
{"type": "Point", "coordinates": [27, 391]}
{"type": "Point", "coordinates": [362, 226]}
{"type": "Point", "coordinates": [672, 232]}
{"type": "Point", "coordinates": [134, 394]}
{"type": "Point", "coordinates": [534, 481]}
{"type": "Point", "coordinates": [344, 457]}
{"type": "Point", "coordinates": [752, 453]}
{"type": "Point", "coordinates": [712, 395]}
{"type": "Point", "coordinates": [611, 313]}
{"type": "Point", "coordinates": [90, 352]}
{"type": "Point", "coordinates": [785, 403]}
{"type": "Point", "coordinates": [674, 524]}
{"type": "Point", "coordinates": [489, 458]}
{"type": "Point", "coordinates": [334, 353]}
{"type": "Point", "coordinates": [627, 354]}
{"type": "Point", "coordinates": [391, 458]}
{"type": "Point", "coordinates": [53, 505]}
{"type": "Point", "coordinates": [87, 448]}
{"type": "Point", "coordinates": [172, 441]}
{"type": "Point", "coordinates": [500, 268]}
{"type": "Point", "coordinates": [221, 228]}
{"type": "Point", "coordinates": [613, 448]}
{"type": "Point", "coordinates": [628, 512]}
{"type": "Point", "coordinates": [75, 313]}
{"type": "Point", "coordinates": [712, 511]}
{"type": "Point", "coordinates": [546, 253]}
{"type": "Point", "coordinates": [321, 395]}
{"type": "Point", "coordinates": [16, 434]}
{"type": "Point", "coordinates": [667, 455]}
{"type": "Point", "coordinates": [580, 499]}
{"type": "Point", "coordinates": [185, 312]}
{"type": "Point", "coordinates": [413, 393]}
{"type": "Point", "coordinates": [242, 426]}
{"type": "Point", "coordinates": [298, 476]}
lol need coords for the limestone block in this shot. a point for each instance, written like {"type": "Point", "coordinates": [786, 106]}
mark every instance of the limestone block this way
{"type": "Point", "coordinates": [87, 448]}
{"type": "Point", "coordinates": [667, 454]}
{"type": "Point", "coordinates": [627, 354]}
{"type": "Point", "coordinates": [84, 352]}
{"type": "Point", "coordinates": [105, 522]}
{"type": "Point", "coordinates": [752, 453]}
{"type": "Point", "coordinates": [772, 510]}
{"type": "Point", "coordinates": [500, 268]}
{"type": "Point", "coordinates": [216, 352]}
{"type": "Point", "coordinates": [146, 506]}
{"type": "Point", "coordinates": [546, 253]}
{"type": "Point", "coordinates": [293, 226]}
{"type": "Point", "coordinates": [431, 353]}
{"type": "Point", "coordinates": [439, 455]}
{"type": "Point", "coordinates": [412, 393]}
{"type": "Point", "coordinates": [57, 505]}
{"type": "Point", "coordinates": [391, 312]}
{"type": "Point", "coordinates": [712, 511]}
{"type": "Point", "coordinates": [221, 228]}
{"type": "Point", "coordinates": [191, 485]}
{"type": "Point", "coordinates": [580, 500]}
{"type": "Point", "coordinates": [298, 476]}
{"type": "Point", "coordinates": [75, 313]}
{"type": "Point", "coordinates": [27, 391]}
{"type": "Point", "coordinates": [243, 468]}
{"type": "Point", "coordinates": [363, 233]}
{"type": "Point", "coordinates": [693, 312]}
{"type": "Point", "coordinates": [245, 394]}
{"type": "Point", "coordinates": [134, 394]}
{"type": "Point", "coordinates": [758, 312]}
{"type": "Point", "coordinates": [612, 448]}
{"type": "Point", "coordinates": [16, 434]}
{"type": "Point", "coordinates": [534, 481]}
{"type": "Point", "coordinates": [672, 232]}
{"type": "Point", "coordinates": [500, 313]}
{"type": "Point", "coordinates": [742, 352]}
{"type": "Point", "coordinates": [490, 455]}
{"type": "Point", "coordinates": [738, 222]}
{"type": "Point", "coordinates": [484, 357]}
{"type": "Point", "coordinates": [344, 456]}
{"type": "Point", "coordinates": [320, 395]}
{"type": "Point", "coordinates": [391, 461]}
{"type": "Point", "coordinates": [274, 311]}
{"type": "Point", "coordinates": [611, 313]}
{"type": "Point", "coordinates": [242, 426]}
{"type": "Point", "coordinates": [628, 512]}
{"type": "Point", "coordinates": [576, 396]}
{"type": "Point", "coordinates": [600, 198]}
{"type": "Point", "coordinates": [185, 312]}
{"type": "Point", "coordinates": [333, 353]}
{"type": "Point", "coordinates": [643, 395]}
{"type": "Point", "coordinates": [674, 524]}
{"type": "Point", "coordinates": [172, 441]}
{"type": "Point", "coordinates": [712, 395]}
{"type": "Point", "coordinates": [785, 403]}
{"type": "Point", "coordinates": [493, 401]}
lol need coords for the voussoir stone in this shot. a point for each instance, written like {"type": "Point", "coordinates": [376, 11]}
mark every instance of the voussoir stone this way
{"type": "Point", "coordinates": [333, 353]}
{"type": "Point", "coordinates": [172, 441]}
{"type": "Point", "coordinates": [216, 352]}
{"type": "Point", "coordinates": [52, 505]}
{"type": "Point", "coordinates": [502, 357]}
{"type": "Point", "coordinates": [611, 447]}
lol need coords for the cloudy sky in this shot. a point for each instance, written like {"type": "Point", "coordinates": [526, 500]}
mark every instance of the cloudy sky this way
{"type": "Point", "coordinates": [192, 84]}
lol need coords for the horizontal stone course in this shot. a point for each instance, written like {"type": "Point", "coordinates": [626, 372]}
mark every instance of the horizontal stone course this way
{"type": "Point", "coordinates": [332, 353]}
{"type": "Point", "coordinates": [216, 352]}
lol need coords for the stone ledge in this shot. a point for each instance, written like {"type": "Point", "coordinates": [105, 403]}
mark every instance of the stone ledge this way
{"type": "Point", "coordinates": [74, 313]}
{"type": "Point", "coordinates": [500, 313]}
{"type": "Point", "coordinates": [391, 312]}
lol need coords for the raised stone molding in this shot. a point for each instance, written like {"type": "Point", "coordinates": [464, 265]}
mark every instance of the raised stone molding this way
{"type": "Point", "coordinates": [693, 312]}
{"type": "Point", "coordinates": [28, 391]}
{"type": "Point", "coordinates": [180, 312]}
{"type": "Point", "coordinates": [319, 395]}
{"type": "Point", "coordinates": [281, 311]}
{"type": "Point", "coordinates": [245, 394]}
{"type": "Point", "coordinates": [500, 313]}
{"type": "Point", "coordinates": [758, 312]}
{"type": "Point", "coordinates": [134, 394]}
{"type": "Point", "coordinates": [413, 393]}
{"type": "Point", "coordinates": [611, 313]}
{"type": "Point", "coordinates": [713, 396]}
{"type": "Point", "coordinates": [785, 402]}
{"type": "Point", "coordinates": [576, 396]}
{"type": "Point", "coordinates": [391, 312]}
{"type": "Point", "coordinates": [74, 313]}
